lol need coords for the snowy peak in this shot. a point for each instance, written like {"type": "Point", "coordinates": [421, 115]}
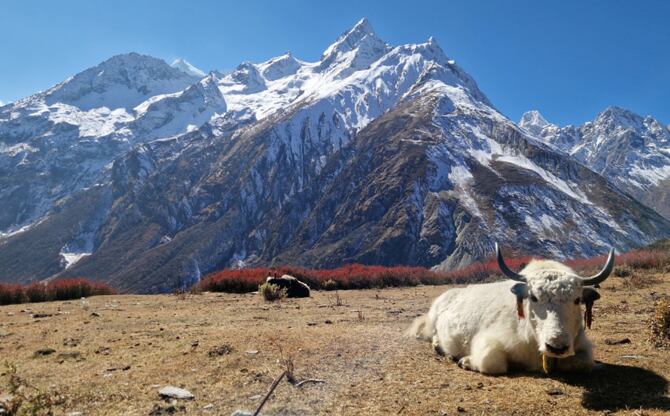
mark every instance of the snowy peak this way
{"type": "Point", "coordinates": [279, 67]}
{"type": "Point", "coordinates": [122, 81]}
{"type": "Point", "coordinates": [248, 76]}
{"type": "Point", "coordinates": [533, 118]}
{"type": "Point", "coordinates": [187, 68]}
{"type": "Point", "coordinates": [534, 123]}
{"type": "Point", "coordinates": [357, 48]}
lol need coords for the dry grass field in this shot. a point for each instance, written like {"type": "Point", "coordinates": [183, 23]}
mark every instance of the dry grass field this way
{"type": "Point", "coordinates": [110, 355]}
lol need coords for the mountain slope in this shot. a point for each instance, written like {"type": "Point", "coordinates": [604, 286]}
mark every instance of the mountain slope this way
{"type": "Point", "coordinates": [374, 154]}
{"type": "Point", "coordinates": [631, 151]}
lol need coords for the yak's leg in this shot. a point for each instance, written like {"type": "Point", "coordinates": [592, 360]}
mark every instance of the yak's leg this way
{"type": "Point", "coordinates": [447, 346]}
{"type": "Point", "coordinates": [487, 356]}
{"type": "Point", "coordinates": [583, 358]}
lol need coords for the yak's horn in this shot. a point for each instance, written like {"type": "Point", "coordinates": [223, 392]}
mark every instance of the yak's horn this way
{"type": "Point", "coordinates": [506, 271]}
{"type": "Point", "coordinates": [603, 274]}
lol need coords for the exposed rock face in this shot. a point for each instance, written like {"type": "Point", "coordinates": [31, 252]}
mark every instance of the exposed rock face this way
{"type": "Point", "coordinates": [294, 287]}
{"type": "Point", "coordinates": [375, 154]}
{"type": "Point", "coordinates": [632, 151]}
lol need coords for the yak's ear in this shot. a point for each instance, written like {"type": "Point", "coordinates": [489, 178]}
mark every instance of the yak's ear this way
{"type": "Point", "coordinates": [520, 290]}
{"type": "Point", "coordinates": [589, 295]}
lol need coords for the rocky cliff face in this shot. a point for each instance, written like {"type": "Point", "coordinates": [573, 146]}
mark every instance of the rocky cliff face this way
{"type": "Point", "coordinates": [632, 151]}
{"type": "Point", "coordinates": [375, 154]}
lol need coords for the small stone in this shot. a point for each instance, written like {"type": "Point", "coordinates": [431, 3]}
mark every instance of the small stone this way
{"type": "Point", "coordinates": [311, 323]}
{"type": "Point", "coordinates": [208, 406]}
{"type": "Point", "coordinates": [95, 314]}
{"type": "Point", "coordinates": [103, 351]}
{"type": "Point", "coordinates": [173, 392]}
{"type": "Point", "coordinates": [44, 351]}
{"type": "Point", "coordinates": [251, 352]}
{"type": "Point", "coordinates": [555, 392]}
{"type": "Point", "coordinates": [328, 321]}
{"type": "Point", "coordinates": [41, 315]}
{"type": "Point", "coordinates": [621, 341]}
{"type": "Point", "coordinates": [75, 414]}
{"type": "Point", "coordinates": [242, 413]}
{"type": "Point", "coordinates": [70, 342]}
{"type": "Point", "coordinates": [460, 409]}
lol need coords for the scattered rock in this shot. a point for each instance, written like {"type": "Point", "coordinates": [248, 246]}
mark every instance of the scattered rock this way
{"type": "Point", "coordinates": [120, 367]}
{"type": "Point", "coordinates": [159, 410]}
{"type": "Point", "coordinates": [609, 341]}
{"type": "Point", "coordinates": [70, 342]}
{"type": "Point", "coordinates": [4, 334]}
{"type": "Point", "coordinates": [555, 392]}
{"type": "Point", "coordinates": [103, 351]}
{"type": "Point", "coordinates": [294, 287]}
{"type": "Point", "coordinates": [220, 350]}
{"type": "Point", "coordinates": [44, 351]}
{"type": "Point", "coordinates": [173, 392]}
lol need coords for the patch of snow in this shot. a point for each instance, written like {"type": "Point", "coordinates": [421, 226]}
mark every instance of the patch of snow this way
{"type": "Point", "coordinates": [184, 66]}
{"type": "Point", "coordinates": [71, 259]}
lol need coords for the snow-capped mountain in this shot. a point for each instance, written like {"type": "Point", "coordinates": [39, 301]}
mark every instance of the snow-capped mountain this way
{"type": "Point", "coordinates": [186, 67]}
{"type": "Point", "coordinates": [376, 154]}
{"type": "Point", "coordinates": [631, 151]}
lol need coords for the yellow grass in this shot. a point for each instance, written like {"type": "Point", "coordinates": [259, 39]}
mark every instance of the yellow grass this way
{"type": "Point", "coordinates": [206, 344]}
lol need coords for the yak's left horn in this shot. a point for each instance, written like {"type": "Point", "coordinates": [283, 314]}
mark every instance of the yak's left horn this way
{"type": "Point", "coordinates": [603, 274]}
{"type": "Point", "coordinates": [506, 271]}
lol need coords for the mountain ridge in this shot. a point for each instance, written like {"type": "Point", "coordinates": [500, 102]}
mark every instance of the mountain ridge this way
{"type": "Point", "coordinates": [375, 154]}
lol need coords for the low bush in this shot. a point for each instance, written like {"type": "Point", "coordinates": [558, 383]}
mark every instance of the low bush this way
{"type": "Point", "coordinates": [271, 292]}
{"type": "Point", "coordinates": [358, 276]}
{"type": "Point", "coordinates": [62, 289]}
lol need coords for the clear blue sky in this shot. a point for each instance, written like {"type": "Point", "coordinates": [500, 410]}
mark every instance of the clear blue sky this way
{"type": "Point", "coordinates": [569, 59]}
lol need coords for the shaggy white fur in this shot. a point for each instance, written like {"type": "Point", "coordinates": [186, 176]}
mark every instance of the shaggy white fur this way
{"type": "Point", "coordinates": [478, 325]}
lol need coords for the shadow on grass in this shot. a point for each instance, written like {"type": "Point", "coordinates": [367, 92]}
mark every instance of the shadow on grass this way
{"type": "Point", "coordinates": [614, 387]}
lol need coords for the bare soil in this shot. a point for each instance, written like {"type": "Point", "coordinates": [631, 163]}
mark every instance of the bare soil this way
{"type": "Point", "coordinates": [113, 353]}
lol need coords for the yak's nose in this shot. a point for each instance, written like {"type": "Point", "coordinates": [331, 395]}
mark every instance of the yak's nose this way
{"type": "Point", "coordinates": [556, 350]}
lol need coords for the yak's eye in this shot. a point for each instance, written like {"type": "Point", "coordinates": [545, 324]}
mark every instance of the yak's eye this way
{"type": "Point", "coordinates": [533, 298]}
{"type": "Point", "coordinates": [577, 301]}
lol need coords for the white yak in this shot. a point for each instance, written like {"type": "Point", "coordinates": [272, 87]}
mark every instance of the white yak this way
{"type": "Point", "coordinates": [485, 329]}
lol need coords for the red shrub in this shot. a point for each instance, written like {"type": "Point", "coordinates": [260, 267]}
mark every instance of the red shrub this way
{"type": "Point", "coordinates": [358, 276]}
{"type": "Point", "coordinates": [64, 289]}
{"type": "Point", "coordinates": [36, 292]}
{"type": "Point", "coordinates": [10, 294]}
